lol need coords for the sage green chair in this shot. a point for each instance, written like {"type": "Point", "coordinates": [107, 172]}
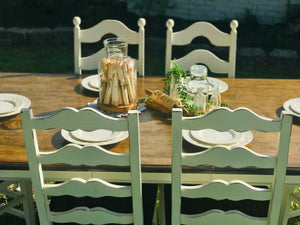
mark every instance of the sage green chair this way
{"type": "Point", "coordinates": [86, 119]}
{"type": "Point", "coordinates": [203, 56]}
{"type": "Point", "coordinates": [240, 120]}
{"type": "Point", "coordinates": [95, 33]}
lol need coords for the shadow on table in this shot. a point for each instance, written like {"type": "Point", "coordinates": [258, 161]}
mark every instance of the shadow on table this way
{"type": "Point", "coordinates": [82, 91]}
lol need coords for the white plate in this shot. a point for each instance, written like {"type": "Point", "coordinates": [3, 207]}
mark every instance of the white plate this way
{"type": "Point", "coordinates": [95, 136]}
{"type": "Point", "coordinates": [68, 136]}
{"type": "Point", "coordinates": [289, 106]}
{"type": "Point", "coordinates": [12, 104]}
{"type": "Point", "coordinates": [9, 103]}
{"type": "Point", "coordinates": [219, 83]}
{"type": "Point", "coordinates": [244, 140]}
{"type": "Point", "coordinates": [91, 83]}
{"type": "Point", "coordinates": [296, 107]}
{"type": "Point", "coordinates": [214, 137]}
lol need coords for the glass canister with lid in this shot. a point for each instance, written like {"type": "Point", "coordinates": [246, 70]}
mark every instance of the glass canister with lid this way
{"type": "Point", "coordinates": [117, 78]}
{"type": "Point", "coordinates": [198, 79]}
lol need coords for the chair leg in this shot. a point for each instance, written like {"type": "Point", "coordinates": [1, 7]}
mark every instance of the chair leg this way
{"type": "Point", "coordinates": [161, 205]}
{"type": "Point", "coordinates": [28, 203]}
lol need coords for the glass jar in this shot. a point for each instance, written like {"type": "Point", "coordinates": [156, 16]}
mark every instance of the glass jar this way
{"type": "Point", "coordinates": [200, 101]}
{"type": "Point", "coordinates": [215, 99]}
{"type": "Point", "coordinates": [115, 47]}
{"type": "Point", "coordinates": [198, 79]}
{"type": "Point", "coordinates": [118, 78]}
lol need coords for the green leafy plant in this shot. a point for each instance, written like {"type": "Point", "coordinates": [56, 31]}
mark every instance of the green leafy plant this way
{"type": "Point", "coordinates": [176, 72]}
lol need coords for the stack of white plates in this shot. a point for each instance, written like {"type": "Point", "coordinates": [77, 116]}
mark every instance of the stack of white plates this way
{"type": "Point", "coordinates": [207, 138]}
{"type": "Point", "coordinates": [91, 83]}
{"type": "Point", "coordinates": [11, 104]}
{"type": "Point", "coordinates": [96, 137]}
{"type": "Point", "coordinates": [293, 106]}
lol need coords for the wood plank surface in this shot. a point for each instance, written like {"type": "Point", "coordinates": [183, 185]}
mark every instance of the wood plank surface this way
{"type": "Point", "coordinates": [51, 92]}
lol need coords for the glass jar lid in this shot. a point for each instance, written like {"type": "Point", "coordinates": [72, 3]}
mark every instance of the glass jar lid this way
{"type": "Point", "coordinates": [198, 71]}
{"type": "Point", "coordinates": [116, 47]}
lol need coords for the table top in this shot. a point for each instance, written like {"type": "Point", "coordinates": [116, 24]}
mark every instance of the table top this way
{"type": "Point", "coordinates": [51, 92]}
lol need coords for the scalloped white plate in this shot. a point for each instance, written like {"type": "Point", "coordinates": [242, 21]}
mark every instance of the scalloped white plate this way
{"type": "Point", "coordinates": [11, 104]}
{"type": "Point", "coordinates": [214, 137]}
{"type": "Point", "coordinates": [100, 135]}
{"type": "Point", "coordinates": [91, 83]}
{"type": "Point", "coordinates": [69, 137]}
{"type": "Point", "coordinates": [296, 107]}
{"type": "Point", "coordinates": [244, 140]}
{"type": "Point", "coordinates": [292, 106]}
{"type": "Point", "coordinates": [216, 82]}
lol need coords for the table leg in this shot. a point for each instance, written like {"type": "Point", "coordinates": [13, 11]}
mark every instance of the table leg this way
{"type": "Point", "coordinates": [28, 203]}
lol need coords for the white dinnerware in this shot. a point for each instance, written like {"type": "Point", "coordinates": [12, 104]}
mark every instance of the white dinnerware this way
{"type": "Point", "coordinates": [216, 83]}
{"type": "Point", "coordinates": [91, 83]}
{"type": "Point", "coordinates": [208, 138]}
{"type": "Point", "coordinates": [94, 138]}
{"type": "Point", "coordinates": [11, 104]}
{"type": "Point", "coordinates": [214, 137]}
{"type": "Point", "coordinates": [293, 106]}
{"type": "Point", "coordinates": [100, 135]}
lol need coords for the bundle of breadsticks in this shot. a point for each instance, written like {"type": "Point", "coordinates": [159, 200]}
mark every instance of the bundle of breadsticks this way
{"type": "Point", "coordinates": [162, 102]}
{"type": "Point", "coordinates": [118, 82]}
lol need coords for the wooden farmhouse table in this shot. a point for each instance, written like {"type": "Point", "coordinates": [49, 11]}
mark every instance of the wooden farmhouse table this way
{"type": "Point", "coordinates": [51, 92]}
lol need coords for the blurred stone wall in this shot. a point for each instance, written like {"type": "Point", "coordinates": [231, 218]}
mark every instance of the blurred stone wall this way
{"type": "Point", "coordinates": [263, 11]}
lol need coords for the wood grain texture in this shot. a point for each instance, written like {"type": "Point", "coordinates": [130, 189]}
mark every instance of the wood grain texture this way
{"type": "Point", "coordinates": [51, 92]}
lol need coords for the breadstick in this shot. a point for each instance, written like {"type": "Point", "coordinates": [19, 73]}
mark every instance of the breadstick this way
{"type": "Point", "coordinates": [107, 97]}
{"type": "Point", "coordinates": [127, 82]}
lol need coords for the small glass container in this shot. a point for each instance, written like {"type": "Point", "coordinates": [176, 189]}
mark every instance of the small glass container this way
{"type": "Point", "coordinates": [198, 78]}
{"type": "Point", "coordinates": [215, 99]}
{"type": "Point", "coordinates": [200, 101]}
{"type": "Point", "coordinates": [175, 87]}
{"type": "Point", "coordinates": [190, 96]}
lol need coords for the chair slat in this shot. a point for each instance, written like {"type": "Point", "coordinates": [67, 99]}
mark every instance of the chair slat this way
{"type": "Point", "coordinates": [214, 35]}
{"type": "Point", "coordinates": [222, 157]}
{"type": "Point", "coordinates": [115, 27]}
{"type": "Point", "coordinates": [84, 215]}
{"type": "Point", "coordinates": [84, 119]}
{"type": "Point", "coordinates": [214, 63]}
{"type": "Point", "coordinates": [244, 120]}
{"type": "Point", "coordinates": [219, 189]}
{"type": "Point", "coordinates": [221, 217]}
{"type": "Point", "coordinates": [74, 154]}
{"type": "Point", "coordinates": [89, 62]}
{"type": "Point", "coordinates": [95, 188]}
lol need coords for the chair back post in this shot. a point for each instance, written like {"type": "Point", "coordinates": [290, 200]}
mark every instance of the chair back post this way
{"type": "Point", "coordinates": [30, 137]}
{"type": "Point", "coordinates": [137, 201]}
{"type": "Point", "coordinates": [232, 50]}
{"type": "Point", "coordinates": [77, 45]}
{"type": "Point", "coordinates": [176, 165]}
{"type": "Point", "coordinates": [141, 54]}
{"type": "Point", "coordinates": [280, 172]}
{"type": "Point", "coordinates": [170, 25]}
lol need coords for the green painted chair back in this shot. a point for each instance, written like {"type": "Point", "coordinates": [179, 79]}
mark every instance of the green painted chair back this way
{"type": "Point", "coordinates": [86, 119]}
{"type": "Point", "coordinates": [206, 57]}
{"type": "Point", "coordinates": [224, 119]}
{"type": "Point", "coordinates": [95, 33]}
